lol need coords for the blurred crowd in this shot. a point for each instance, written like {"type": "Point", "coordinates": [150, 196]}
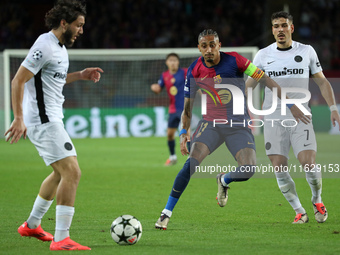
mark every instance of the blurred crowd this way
{"type": "Point", "coordinates": [177, 23]}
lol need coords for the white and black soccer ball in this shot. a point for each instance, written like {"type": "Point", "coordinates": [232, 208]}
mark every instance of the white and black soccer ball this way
{"type": "Point", "coordinates": [37, 54]}
{"type": "Point", "coordinates": [126, 229]}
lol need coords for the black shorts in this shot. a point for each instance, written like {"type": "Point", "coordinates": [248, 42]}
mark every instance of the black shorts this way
{"type": "Point", "coordinates": [174, 119]}
{"type": "Point", "coordinates": [235, 138]}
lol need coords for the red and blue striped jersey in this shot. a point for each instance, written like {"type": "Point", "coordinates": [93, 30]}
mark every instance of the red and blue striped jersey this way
{"type": "Point", "coordinates": [174, 84]}
{"type": "Point", "coordinates": [229, 70]}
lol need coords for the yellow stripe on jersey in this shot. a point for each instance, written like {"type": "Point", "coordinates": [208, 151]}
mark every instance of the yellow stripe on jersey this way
{"type": "Point", "coordinates": [254, 72]}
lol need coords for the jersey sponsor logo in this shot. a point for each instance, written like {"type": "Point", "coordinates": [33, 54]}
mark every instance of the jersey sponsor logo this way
{"type": "Point", "coordinates": [298, 58]}
{"type": "Point", "coordinates": [173, 90]}
{"type": "Point", "coordinates": [60, 75]}
{"type": "Point", "coordinates": [286, 71]}
{"type": "Point", "coordinates": [225, 96]}
{"type": "Point", "coordinates": [217, 79]}
{"type": "Point", "coordinates": [268, 63]}
{"type": "Point", "coordinates": [37, 55]}
{"type": "Point", "coordinates": [318, 64]}
{"type": "Point", "coordinates": [59, 61]}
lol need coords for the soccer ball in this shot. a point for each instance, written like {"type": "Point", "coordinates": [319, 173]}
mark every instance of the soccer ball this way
{"type": "Point", "coordinates": [126, 229]}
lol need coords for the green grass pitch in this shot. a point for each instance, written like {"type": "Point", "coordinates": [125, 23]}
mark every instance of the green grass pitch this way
{"type": "Point", "coordinates": [127, 176]}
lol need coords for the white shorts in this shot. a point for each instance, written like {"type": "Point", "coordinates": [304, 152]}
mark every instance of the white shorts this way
{"type": "Point", "coordinates": [278, 138]}
{"type": "Point", "coordinates": [52, 141]}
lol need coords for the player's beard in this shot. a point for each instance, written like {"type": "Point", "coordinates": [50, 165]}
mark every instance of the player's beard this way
{"type": "Point", "coordinates": [210, 58]}
{"type": "Point", "coordinates": [68, 37]}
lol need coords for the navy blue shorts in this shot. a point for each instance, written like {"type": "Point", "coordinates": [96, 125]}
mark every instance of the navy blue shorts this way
{"type": "Point", "coordinates": [174, 119]}
{"type": "Point", "coordinates": [235, 138]}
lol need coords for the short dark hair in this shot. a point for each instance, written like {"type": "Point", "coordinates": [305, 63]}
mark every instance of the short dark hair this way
{"type": "Point", "coordinates": [68, 10]}
{"type": "Point", "coordinates": [172, 54]}
{"type": "Point", "coordinates": [282, 14]}
{"type": "Point", "coordinates": [206, 32]}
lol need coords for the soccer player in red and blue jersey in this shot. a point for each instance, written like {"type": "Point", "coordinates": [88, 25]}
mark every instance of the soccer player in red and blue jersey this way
{"type": "Point", "coordinates": [173, 80]}
{"type": "Point", "coordinates": [205, 74]}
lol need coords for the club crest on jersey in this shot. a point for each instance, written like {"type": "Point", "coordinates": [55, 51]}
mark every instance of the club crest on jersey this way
{"type": "Point", "coordinates": [298, 58]}
{"type": "Point", "coordinates": [217, 79]}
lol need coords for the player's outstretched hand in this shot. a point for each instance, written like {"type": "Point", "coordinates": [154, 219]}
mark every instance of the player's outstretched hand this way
{"type": "Point", "coordinates": [16, 130]}
{"type": "Point", "coordinates": [335, 118]}
{"type": "Point", "coordinates": [91, 73]}
{"type": "Point", "coordinates": [298, 115]}
{"type": "Point", "coordinates": [184, 138]}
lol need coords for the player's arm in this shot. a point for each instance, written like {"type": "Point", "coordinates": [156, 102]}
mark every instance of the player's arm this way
{"type": "Point", "coordinates": [328, 94]}
{"type": "Point", "coordinates": [156, 88]}
{"type": "Point", "coordinates": [18, 128]}
{"type": "Point", "coordinates": [260, 77]}
{"type": "Point", "coordinates": [88, 74]}
{"type": "Point", "coordinates": [250, 83]}
{"type": "Point", "coordinates": [186, 121]}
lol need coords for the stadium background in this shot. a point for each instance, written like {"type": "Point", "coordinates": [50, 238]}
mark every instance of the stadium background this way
{"type": "Point", "coordinates": [155, 24]}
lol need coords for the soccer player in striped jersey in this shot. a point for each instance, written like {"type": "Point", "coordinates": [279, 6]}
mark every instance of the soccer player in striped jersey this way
{"type": "Point", "coordinates": [290, 64]}
{"type": "Point", "coordinates": [173, 81]}
{"type": "Point", "coordinates": [214, 68]}
{"type": "Point", "coordinates": [37, 101]}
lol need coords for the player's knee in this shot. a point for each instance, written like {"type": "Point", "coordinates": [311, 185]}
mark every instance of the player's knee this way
{"type": "Point", "coordinates": [246, 156]}
{"type": "Point", "coordinates": [56, 176]}
{"type": "Point", "coordinates": [171, 134]}
{"type": "Point", "coordinates": [307, 161]}
{"type": "Point", "coordinates": [279, 162]}
{"type": "Point", "coordinates": [77, 173]}
{"type": "Point", "coordinates": [69, 169]}
{"type": "Point", "coordinates": [199, 151]}
{"type": "Point", "coordinates": [170, 137]}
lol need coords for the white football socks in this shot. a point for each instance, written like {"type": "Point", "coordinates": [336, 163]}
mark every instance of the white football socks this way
{"type": "Point", "coordinates": [64, 215]}
{"type": "Point", "coordinates": [167, 212]}
{"type": "Point", "coordinates": [40, 207]}
{"type": "Point", "coordinates": [314, 180]}
{"type": "Point", "coordinates": [287, 187]}
{"type": "Point", "coordinates": [173, 157]}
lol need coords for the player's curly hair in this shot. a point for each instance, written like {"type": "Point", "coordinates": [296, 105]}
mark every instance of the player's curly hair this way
{"type": "Point", "coordinates": [68, 10]}
{"type": "Point", "coordinates": [206, 32]}
{"type": "Point", "coordinates": [282, 14]}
